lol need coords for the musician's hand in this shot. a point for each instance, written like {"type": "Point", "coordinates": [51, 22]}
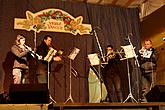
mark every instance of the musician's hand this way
{"type": "Point", "coordinates": [30, 48]}
{"type": "Point", "coordinates": [60, 52]}
{"type": "Point", "coordinates": [142, 50]}
{"type": "Point", "coordinates": [57, 58]}
{"type": "Point", "coordinates": [35, 49]}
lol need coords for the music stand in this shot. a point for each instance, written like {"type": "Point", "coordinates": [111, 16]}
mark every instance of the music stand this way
{"type": "Point", "coordinates": [94, 61]}
{"type": "Point", "coordinates": [71, 57]}
{"type": "Point", "coordinates": [129, 54]}
{"type": "Point", "coordinates": [48, 58]}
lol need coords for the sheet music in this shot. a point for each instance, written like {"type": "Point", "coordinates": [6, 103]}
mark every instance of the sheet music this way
{"type": "Point", "coordinates": [74, 53]}
{"type": "Point", "coordinates": [128, 51]}
{"type": "Point", "coordinates": [147, 54]}
{"type": "Point", "coordinates": [50, 55]}
{"type": "Point", "coordinates": [94, 59]}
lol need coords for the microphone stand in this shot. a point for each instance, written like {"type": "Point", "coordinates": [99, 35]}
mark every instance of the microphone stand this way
{"type": "Point", "coordinates": [102, 56]}
{"type": "Point", "coordinates": [98, 43]}
{"type": "Point", "coordinates": [35, 40]}
{"type": "Point", "coordinates": [35, 37]}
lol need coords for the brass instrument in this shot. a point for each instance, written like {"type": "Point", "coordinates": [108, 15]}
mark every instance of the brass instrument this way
{"type": "Point", "coordinates": [32, 52]}
{"type": "Point", "coordinates": [110, 55]}
{"type": "Point", "coordinates": [145, 53]}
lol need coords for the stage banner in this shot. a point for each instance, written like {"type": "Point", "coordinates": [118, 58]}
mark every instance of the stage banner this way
{"type": "Point", "coordinates": [52, 20]}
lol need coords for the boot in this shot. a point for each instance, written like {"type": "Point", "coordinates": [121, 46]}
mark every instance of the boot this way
{"type": "Point", "coordinates": [119, 96]}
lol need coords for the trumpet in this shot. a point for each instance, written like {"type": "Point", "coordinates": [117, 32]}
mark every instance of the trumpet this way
{"type": "Point", "coordinates": [32, 52]}
{"type": "Point", "coordinates": [145, 52]}
{"type": "Point", "coordinates": [110, 55]}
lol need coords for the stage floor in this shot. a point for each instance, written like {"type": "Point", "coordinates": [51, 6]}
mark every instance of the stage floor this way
{"type": "Point", "coordinates": [110, 106]}
{"type": "Point", "coordinates": [24, 106]}
{"type": "Point", "coordinates": [86, 106]}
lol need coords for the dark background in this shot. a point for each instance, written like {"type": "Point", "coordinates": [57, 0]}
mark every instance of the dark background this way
{"type": "Point", "coordinates": [114, 24]}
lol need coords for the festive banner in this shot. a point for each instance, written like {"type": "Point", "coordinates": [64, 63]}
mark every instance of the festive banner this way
{"type": "Point", "coordinates": [53, 20]}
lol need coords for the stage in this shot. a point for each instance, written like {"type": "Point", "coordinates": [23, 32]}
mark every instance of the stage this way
{"type": "Point", "coordinates": [110, 106]}
{"type": "Point", "coordinates": [86, 106]}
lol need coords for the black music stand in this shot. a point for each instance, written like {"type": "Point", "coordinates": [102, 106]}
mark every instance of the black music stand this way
{"type": "Point", "coordinates": [71, 57]}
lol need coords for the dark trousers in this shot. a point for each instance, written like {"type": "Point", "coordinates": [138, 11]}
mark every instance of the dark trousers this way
{"type": "Point", "coordinates": [113, 85]}
{"type": "Point", "coordinates": [42, 73]}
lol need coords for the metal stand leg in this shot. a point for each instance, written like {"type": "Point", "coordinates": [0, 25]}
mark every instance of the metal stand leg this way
{"type": "Point", "coordinates": [70, 84]}
{"type": "Point", "coordinates": [50, 97]}
{"type": "Point", "coordinates": [129, 82]}
{"type": "Point", "coordinates": [101, 81]}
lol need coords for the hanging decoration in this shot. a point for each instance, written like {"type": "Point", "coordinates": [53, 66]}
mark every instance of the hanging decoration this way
{"type": "Point", "coordinates": [52, 20]}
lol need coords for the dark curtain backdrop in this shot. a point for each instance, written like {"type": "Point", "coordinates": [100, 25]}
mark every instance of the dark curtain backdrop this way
{"type": "Point", "coordinates": [111, 24]}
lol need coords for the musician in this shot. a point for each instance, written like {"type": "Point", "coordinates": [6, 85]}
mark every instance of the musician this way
{"type": "Point", "coordinates": [42, 65]}
{"type": "Point", "coordinates": [148, 57]}
{"type": "Point", "coordinates": [111, 75]}
{"type": "Point", "coordinates": [20, 67]}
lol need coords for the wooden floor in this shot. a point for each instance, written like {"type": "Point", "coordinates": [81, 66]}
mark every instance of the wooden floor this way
{"type": "Point", "coordinates": [109, 106]}
{"type": "Point", "coordinates": [24, 106]}
{"type": "Point", "coordinates": [86, 106]}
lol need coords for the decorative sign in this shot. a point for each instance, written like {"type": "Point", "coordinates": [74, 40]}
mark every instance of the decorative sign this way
{"type": "Point", "coordinates": [53, 20]}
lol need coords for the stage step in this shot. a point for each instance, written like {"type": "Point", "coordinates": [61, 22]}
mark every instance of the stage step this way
{"type": "Point", "coordinates": [23, 106]}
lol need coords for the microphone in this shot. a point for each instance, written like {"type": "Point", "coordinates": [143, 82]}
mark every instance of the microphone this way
{"type": "Point", "coordinates": [35, 26]}
{"type": "Point", "coordinates": [127, 38]}
{"type": "Point", "coordinates": [97, 27]}
{"type": "Point", "coordinates": [130, 34]}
